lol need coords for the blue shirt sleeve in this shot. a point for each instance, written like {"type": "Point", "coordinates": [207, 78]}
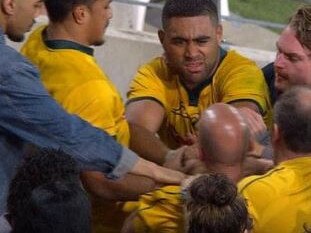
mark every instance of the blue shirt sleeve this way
{"type": "Point", "coordinates": [30, 113]}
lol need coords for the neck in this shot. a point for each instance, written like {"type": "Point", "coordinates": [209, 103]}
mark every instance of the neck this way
{"type": "Point", "coordinates": [63, 31]}
{"type": "Point", "coordinates": [282, 155]}
{"type": "Point", "coordinates": [233, 172]}
{"type": "Point", "coordinates": [193, 85]}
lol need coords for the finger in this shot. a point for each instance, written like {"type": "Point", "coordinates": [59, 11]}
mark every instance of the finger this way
{"type": "Point", "coordinates": [192, 138]}
{"type": "Point", "coordinates": [190, 165]}
{"type": "Point", "coordinates": [254, 121]}
{"type": "Point", "coordinates": [255, 149]}
{"type": "Point", "coordinates": [192, 152]}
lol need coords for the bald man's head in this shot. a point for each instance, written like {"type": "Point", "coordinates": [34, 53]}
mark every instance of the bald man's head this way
{"type": "Point", "coordinates": [223, 135]}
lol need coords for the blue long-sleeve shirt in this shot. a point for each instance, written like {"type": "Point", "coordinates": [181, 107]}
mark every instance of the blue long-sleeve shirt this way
{"type": "Point", "coordinates": [28, 114]}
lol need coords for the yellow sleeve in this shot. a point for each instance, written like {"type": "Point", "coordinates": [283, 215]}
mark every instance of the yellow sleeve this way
{"type": "Point", "coordinates": [94, 102]}
{"type": "Point", "coordinates": [258, 193]}
{"type": "Point", "coordinates": [148, 83]}
{"type": "Point", "coordinates": [160, 211]}
{"type": "Point", "coordinates": [240, 79]}
{"type": "Point", "coordinates": [242, 187]}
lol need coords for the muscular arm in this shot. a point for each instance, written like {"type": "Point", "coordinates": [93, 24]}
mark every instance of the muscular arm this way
{"type": "Point", "coordinates": [246, 104]}
{"type": "Point", "coordinates": [252, 115]}
{"type": "Point", "coordinates": [127, 188]}
{"type": "Point", "coordinates": [145, 118]}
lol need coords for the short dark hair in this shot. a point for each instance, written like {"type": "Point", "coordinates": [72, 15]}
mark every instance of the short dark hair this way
{"type": "Point", "coordinates": [214, 206]}
{"type": "Point", "coordinates": [55, 207]}
{"type": "Point", "coordinates": [189, 8]}
{"type": "Point", "coordinates": [292, 114]}
{"type": "Point", "coordinates": [41, 167]}
{"type": "Point", "coordinates": [58, 10]}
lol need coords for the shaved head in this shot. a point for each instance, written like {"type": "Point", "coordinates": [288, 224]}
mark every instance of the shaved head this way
{"type": "Point", "coordinates": [223, 135]}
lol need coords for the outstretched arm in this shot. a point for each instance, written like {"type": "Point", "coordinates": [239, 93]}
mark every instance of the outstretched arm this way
{"type": "Point", "coordinates": [127, 188]}
{"type": "Point", "coordinates": [254, 119]}
{"type": "Point", "coordinates": [145, 118]}
{"type": "Point", "coordinates": [32, 115]}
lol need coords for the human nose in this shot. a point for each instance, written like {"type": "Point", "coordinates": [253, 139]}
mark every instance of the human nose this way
{"type": "Point", "coordinates": [279, 60]}
{"type": "Point", "coordinates": [191, 50]}
{"type": "Point", "coordinates": [110, 13]}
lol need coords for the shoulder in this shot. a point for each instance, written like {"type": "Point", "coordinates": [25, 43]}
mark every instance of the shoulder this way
{"type": "Point", "coordinates": [171, 193]}
{"type": "Point", "coordinates": [233, 55]}
{"type": "Point", "coordinates": [262, 183]}
{"type": "Point", "coordinates": [155, 69]}
{"type": "Point", "coordinates": [237, 62]}
{"type": "Point", "coordinates": [152, 76]}
{"type": "Point", "coordinates": [162, 199]}
{"type": "Point", "coordinates": [36, 33]}
{"type": "Point", "coordinates": [96, 92]}
{"type": "Point", "coordinates": [33, 42]}
{"type": "Point", "coordinates": [13, 63]}
{"type": "Point", "coordinates": [154, 64]}
{"type": "Point", "coordinates": [153, 80]}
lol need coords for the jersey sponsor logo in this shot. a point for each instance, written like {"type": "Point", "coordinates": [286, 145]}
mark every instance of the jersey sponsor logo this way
{"type": "Point", "coordinates": [181, 124]}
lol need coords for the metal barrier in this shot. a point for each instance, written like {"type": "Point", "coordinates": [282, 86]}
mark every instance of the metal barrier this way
{"type": "Point", "coordinates": [229, 18]}
{"type": "Point", "coordinates": [253, 21]}
{"type": "Point", "coordinates": [133, 2]}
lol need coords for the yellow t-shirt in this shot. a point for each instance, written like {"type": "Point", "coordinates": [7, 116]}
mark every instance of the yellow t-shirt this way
{"type": "Point", "coordinates": [237, 78]}
{"type": "Point", "coordinates": [280, 200]}
{"type": "Point", "coordinates": [160, 211]}
{"type": "Point", "coordinates": [71, 75]}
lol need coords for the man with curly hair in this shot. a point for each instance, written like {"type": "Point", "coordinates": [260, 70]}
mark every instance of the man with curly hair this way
{"type": "Point", "coordinates": [46, 196]}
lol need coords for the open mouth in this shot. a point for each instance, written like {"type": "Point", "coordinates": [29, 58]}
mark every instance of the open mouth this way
{"type": "Point", "coordinates": [194, 67]}
{"type": "Point", "coordinates": [280, 77]}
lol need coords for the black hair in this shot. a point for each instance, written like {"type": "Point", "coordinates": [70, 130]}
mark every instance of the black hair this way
{"type": "Point", "coordinates": [58, 10]}
{"type": "Point", "coordinates": [189, 8]}
{"type": "Point", "coordinates": [40, 167]}
{"type": "Point", "coordinates": [54, 207]}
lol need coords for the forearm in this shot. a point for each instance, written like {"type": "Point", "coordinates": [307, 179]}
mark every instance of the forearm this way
{"type": "Point", "coordinates": [247, 104]}
{"type": "Point", "coordinates": [127, 188]}
{"type": "Point", "coordinates": [158, 173]}
{"type": "Point", "coordinates": [147, 144]}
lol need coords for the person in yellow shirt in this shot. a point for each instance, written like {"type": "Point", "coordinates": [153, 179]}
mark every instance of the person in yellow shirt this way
{"type": "Point", "coordinates": [72, 76]}
{"type": "Point", "coordinates": [292, 65]}
{"type": "Point", "coordinates": [169, 93]}
{"type": "Point", "coordinates": [223, 141]}
{"type": "Point", "coordinates": [280, 200]}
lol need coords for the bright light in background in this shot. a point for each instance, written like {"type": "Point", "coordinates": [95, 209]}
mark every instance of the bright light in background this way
{"type": "Point", "coordinates": [224, 8]}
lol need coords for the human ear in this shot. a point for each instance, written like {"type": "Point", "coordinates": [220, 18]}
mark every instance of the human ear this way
{"type": "Point", "coordinates": [8, 6]}
{"type": "Point", "coordinates": [79, 13]}
{"type": "Point", "coordinates": [161, 35]}
{"type": "Point", "coordinates": [219, 33]}
{"type": "Point", "coordinates": [275, 135]}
